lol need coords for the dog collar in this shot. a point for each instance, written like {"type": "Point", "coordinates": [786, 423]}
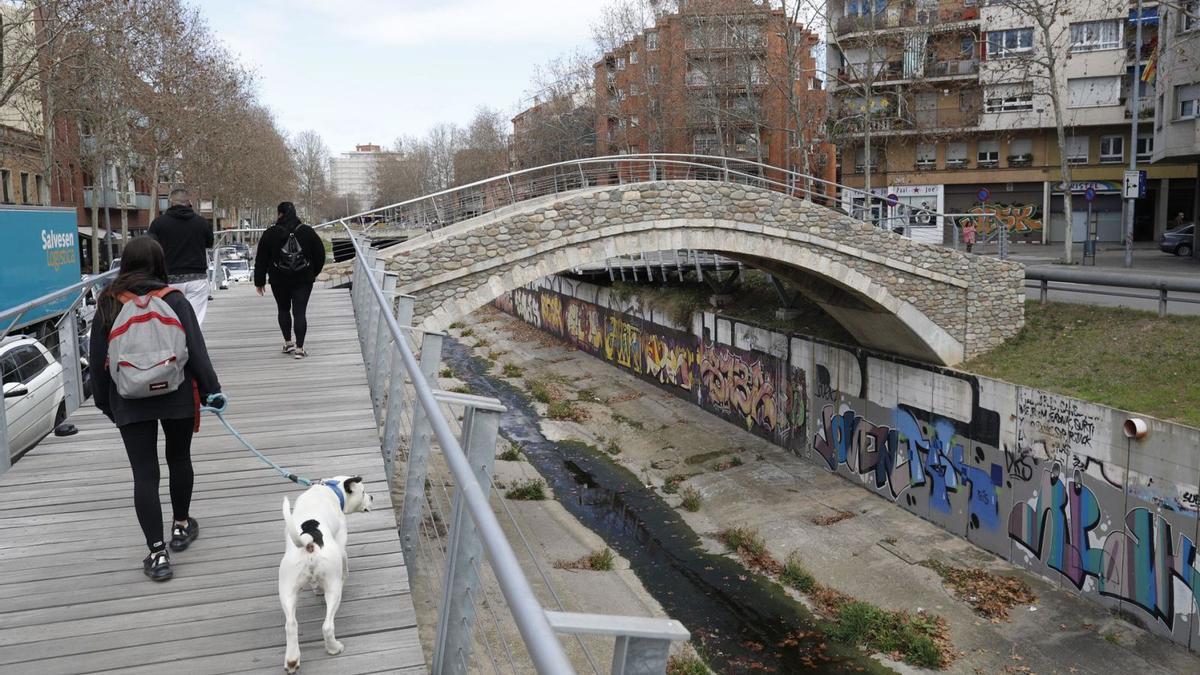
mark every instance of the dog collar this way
{"type": "Point", "coordinates": [337, 490]}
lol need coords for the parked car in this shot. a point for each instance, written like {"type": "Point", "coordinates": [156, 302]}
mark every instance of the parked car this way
{"type": "Point", "coordinates": [1179, 241]}
{"type": "Point", "coordinates": [238, 270]}
{"type": "Point", "coordinates": [34, 396]}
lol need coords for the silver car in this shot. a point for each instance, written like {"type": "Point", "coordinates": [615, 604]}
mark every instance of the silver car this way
{"type": "Point", "coordinates": [33, 392]}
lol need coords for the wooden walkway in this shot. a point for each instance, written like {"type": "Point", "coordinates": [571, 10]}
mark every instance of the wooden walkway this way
{"type": "Point", "coordinates": [72, 595]}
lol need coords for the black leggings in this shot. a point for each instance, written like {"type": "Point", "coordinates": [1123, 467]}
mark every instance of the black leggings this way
{"type": "Point", "coordinates": [292, 300]}
{"type": "Point", "coordinates": [141, 444]}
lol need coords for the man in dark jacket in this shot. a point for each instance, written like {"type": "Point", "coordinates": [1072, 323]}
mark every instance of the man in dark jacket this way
{"type": "Point", "coordinates": [185, 237]}
{"type": "Point", "coordinates": [292, 254]}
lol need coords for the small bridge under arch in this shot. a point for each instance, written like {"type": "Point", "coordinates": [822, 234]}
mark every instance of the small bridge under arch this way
{"type": "Point", "coordinates": [926, 302]}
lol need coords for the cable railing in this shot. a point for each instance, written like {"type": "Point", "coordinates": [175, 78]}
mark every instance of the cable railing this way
{"type": "Point", "coordinates": [447, 207]}
{"type": "Point", "coordinates": [459, 557]}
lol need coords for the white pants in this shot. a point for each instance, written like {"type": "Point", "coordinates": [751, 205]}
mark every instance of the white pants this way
{"type": "Point", "coordinates": [196, 293]}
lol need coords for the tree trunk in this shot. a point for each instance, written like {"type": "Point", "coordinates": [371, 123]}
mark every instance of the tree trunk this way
{"type": "Point", "coordinates": [121, 174]}
{"type": "Point", "coordinates": [95, 225]}
{"type": "Point", "coordinates": [1064, 166]}
{"type": "Point", "coordinates": [108, 237]}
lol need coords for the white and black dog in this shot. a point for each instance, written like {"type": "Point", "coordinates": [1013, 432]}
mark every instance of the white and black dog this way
{"type": "Point", "coordinates": [315, 554]}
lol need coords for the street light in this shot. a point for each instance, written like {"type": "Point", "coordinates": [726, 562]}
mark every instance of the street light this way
{"type": "Point", "coordinates": [1135, 116]}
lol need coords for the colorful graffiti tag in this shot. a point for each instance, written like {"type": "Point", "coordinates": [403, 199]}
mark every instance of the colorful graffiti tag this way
{"type": "Point", "coordinates": [1017, 219]}
{"type": "Point", "coordinates": [670, 361]}
{"type": "Point", "coordinates": [749, 390]}
{"type": "Point", "coordinates": [584, 326]}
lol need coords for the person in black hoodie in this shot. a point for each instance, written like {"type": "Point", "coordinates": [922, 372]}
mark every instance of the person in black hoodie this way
{"type": "Point", "coordinates": [143, 270]}
{"type": "Point", "coordinates": [292, 254]}
{"type": "Point", "coordinates": [185, 237]}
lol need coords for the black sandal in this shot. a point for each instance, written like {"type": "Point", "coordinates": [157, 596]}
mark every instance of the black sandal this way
{"type": "Point", "coordinates": [157, 566]}
{"type": "Point", "coordinates": [181, 537]}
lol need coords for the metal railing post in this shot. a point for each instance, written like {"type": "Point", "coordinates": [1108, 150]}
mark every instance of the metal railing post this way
{"type": "Point", "coordinates": [452, 649]}
{"type": "Point", "coordinates": [396, 394]}
{"type": "Point", "coordinates": [381, 343]}
{"type": "Point", "coordinates": [418, 455]}
{"type": "Point", "coordinates": [68, 356]}
{"type": "Point", "coordinates": [374, 318]}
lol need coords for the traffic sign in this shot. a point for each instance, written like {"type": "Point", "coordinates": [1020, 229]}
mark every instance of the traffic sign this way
{"type": "Point", "coordinates": [1090, 194]}
{"type": "Point", "coordinates": [1133, 185]}
{"type": "Point", "coordinates": [892, 200]}
{"type": "Point", "coordinates": [983, 194]}
{"type": "Point", "coordinates": [1141, 184]}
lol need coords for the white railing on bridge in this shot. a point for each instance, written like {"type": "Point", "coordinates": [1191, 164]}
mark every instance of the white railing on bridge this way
{"type": "Point", "coordinates": [449, 533]}
{"type": "Point", "coordinates": [446, 207]}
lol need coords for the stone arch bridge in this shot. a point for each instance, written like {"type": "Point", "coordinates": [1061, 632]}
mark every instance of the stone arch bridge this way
{"type": "Point", "coordinates": [927, 302]}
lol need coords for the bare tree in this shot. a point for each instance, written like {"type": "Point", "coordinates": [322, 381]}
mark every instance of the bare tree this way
{"type": "Point", "coordinates": [310, 156]}
{"type": "Point", "coordinates": [561, 123]}
{"type": "Point", "coordinates": [484, 151]}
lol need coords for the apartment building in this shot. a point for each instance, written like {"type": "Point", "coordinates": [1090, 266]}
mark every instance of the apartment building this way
{"type": "Point", "coordinates": [1175, 70]}
{"type": "Point", "coordinates": [955, 101]}
{"type": "Point", "coordinates": [733, 78]}
{"type": "Point", "coordinates": [353, 175]}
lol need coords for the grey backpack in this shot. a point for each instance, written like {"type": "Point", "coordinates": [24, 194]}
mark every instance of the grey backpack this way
{"type": "Point", "coordinates": [147, 346]}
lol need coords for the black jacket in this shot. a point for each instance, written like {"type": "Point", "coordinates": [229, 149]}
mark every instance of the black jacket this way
{"type": "Point", "coordinates": [184, 236]}
{"type": "Point", "coordinates": [177, 405]}
{"type": "Point", "coordinates": [269, 249]}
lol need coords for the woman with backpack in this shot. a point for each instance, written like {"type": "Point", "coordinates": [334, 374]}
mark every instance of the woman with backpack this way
{"type": "Point", "coordinates": [292, 255]}
{"type": "Point", "coordinates": [156, 371]}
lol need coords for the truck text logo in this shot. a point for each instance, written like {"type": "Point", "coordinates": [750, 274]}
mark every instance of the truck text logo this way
{"type": "Point", "coordinates": [60, 248]}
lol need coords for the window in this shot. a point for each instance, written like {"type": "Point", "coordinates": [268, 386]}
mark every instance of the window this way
{"type": "Point", "coordinates": [793, 139]}
{"type": "Point", "coordinates": [1090, 36]}
{"type": "Point", "coordinates": [1185, 100]}
{"type": "Point", "coordinates": [620, 63]}
{"type": "Point", "coordinates": [1091, 92]}
{"type": "Point", "coordinates": [1189, 16]}
{"type": "Point", "coordinates": [926, 155]}
{"type": "Point", "coordinates": [24, 188]}
{"type": "Point", "coordinates": [1002, 44]}
{"type": "Point", "coordinates": [956, 155]}
{"type": "Point", "coordinates": [633, 89]}
{"type": "Point", "coordinates": [815, 84]}
{"type": "Point", "coordinates": [1020, 152]}
{"type": "Point", "coordinates": [633, 57]}
{"type": "Point", "coordinates": [989, 153]}
{"type": "Point", "coordinates": [652, 41]}
{"type": "Point", "coordinates": [1112, 149]}
{"type": "Point", "coordinates": [652, 75]}
{"type": "Point", "coordinates": [705, 144]}
{"type": "Point", "coordinates": [1077, 149]}
{"type": "Point", "coordinates": [37, 183]}
{"type": "Point", "coordinates": [860, 159]}
{"type": "Point", "coordinates": [30, 362]}
{"type": "Point", "coordinates": [1007, 99]}
{"type": "Point", "coordinates": [633, 121]}
{"type": "Point", "coordinates": [1145, 146]}
{"type": "Point", "coordinates": [865, 7]}
{"type": "Point", "coordinates": [967, 47]}
{"type": "Point", "coordinates": [6, 178]}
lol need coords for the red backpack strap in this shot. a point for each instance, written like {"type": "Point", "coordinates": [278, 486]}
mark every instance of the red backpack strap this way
{"type": "Point", "coordinates": [164, 291]}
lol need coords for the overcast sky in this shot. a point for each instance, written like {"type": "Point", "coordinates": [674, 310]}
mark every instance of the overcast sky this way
{"type": "Point", "coordinates": [368, 71]}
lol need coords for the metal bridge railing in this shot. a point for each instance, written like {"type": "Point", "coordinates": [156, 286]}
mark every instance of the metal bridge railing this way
{"type": "Point", "coordinates": [447, 207]}
{"type": "Point", "coordinates": [459, 557]}
{"type": "Point", "coordinates": [1078, 281]}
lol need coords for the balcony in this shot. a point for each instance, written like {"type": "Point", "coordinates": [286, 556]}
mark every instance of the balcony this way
{"type": "Point", "coordinates": [925, 165]}
{"type": "Point", "coordinates": [943, 118]}
{"type": "Point", "coordinates": [112, 198]}
{"type": "Point", "coordinates": [1020, 161]}
{"type": "Point", "coordinates": [910, 17]}
{"type": "Point", "coordinates": [957, 163]}
{"type": "Point", "coordinates": [1145, 107]}
{"type": "Point", "coordinates": [892, 72]}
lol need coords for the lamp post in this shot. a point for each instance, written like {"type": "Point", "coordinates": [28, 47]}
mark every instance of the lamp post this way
{"type": "Point", "coordinates": [1135, 116]}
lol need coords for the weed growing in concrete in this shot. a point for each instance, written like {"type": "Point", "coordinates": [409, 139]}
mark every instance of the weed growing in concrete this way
{"type": "Point", "coordinates": [512, 454]}
{"type": "Point", "coordinates": [512, 370]}
{"type": "Point", "coordinates": [456, 325]}
{"type": "Point", "coordinates": [612, 448]}
{"type": "Point", "coordinates": [598, 561]}
{"type": "Point", "coordinates": [1113, 638]}
{"type": "Point", "coordinates": [461, 389]}
{"type": "Point", "coordinates": [913, 638]}
{"type": "Point", "coordinates": [686, 664]}
{"type": "Point", "coordinates": [796, 575]}
{"type": "Point", "coordinates": [482, 343]}
{"type": "Point", "coordinates": [467, 333]}
{"type": "Point", "coordinates": [565, 410]}
{"type": "Point", "coordinates": [588, 395]}
{"type": "Point", "coordinates": [691, 499]}
{"type": "Point", "coordinates": [621, 419]}
{"type": "Point", "coordinates": [533, 489]}
{"type": "Point", "coordinates": [446, 372]}
{"type": "Point", "coordinates": [539, 391]}
{"type": "Point", "coordinates": [671, 483]}
{"type": "Point", "coordinates": [743, 539]}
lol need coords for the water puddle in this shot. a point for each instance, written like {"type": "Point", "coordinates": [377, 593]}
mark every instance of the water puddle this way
{"type": "Point", "coordinates": [744, 621]}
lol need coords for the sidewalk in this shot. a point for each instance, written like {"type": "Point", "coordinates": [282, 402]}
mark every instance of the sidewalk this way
{"type": "Point", "coordinates": [1147, 259]}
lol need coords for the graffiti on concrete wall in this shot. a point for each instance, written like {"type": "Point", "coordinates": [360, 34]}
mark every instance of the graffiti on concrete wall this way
{"type": "Point", "coordinates": [756, 391]}
{"type": "Point", "coordinates": [671, 361]}
{"type": "Point", "coordinates": [552, 313]}
{"type": "Point", "coordinates": [584, 326]}
{"type": "Point", "coordinates": [1017, 219]}
{"type": "Point", "coordinates": [527, 306]}
{"type": "Point", "coordinates": [623, 342]}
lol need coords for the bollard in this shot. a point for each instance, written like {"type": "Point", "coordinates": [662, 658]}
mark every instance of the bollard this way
{"type": "Point", "coordinates": [452, 648]}
{"type": "Point", "coordinates": [418, 455]}
{"type": "Point", "coordinates": [1044, 292]}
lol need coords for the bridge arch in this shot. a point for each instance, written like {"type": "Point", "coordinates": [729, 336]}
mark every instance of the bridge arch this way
{"type": "Point", "coordinates": [926, 302]}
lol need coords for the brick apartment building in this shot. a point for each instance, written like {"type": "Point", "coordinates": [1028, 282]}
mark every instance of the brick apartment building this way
{"type": "Point", "coordinates": [733, 78]}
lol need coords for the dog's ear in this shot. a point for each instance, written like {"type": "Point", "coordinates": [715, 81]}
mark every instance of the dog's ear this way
{"type": "Point", "coordinates": [348, 484]}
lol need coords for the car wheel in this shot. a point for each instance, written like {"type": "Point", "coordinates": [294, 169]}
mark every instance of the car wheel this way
{"type": "Point", "coordinates": [1183, 250]}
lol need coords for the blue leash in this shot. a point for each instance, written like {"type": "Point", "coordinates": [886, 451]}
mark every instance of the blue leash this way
{"type": "Point", "coordinates": [219, 412]}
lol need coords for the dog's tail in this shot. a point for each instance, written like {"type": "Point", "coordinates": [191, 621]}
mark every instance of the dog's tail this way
{"type": "Point", "coordinates": [294, 534]}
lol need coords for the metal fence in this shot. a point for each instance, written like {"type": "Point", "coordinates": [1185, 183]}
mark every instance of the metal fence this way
{"type": "Point", "coordinates": [1077, 281]}
{"type": "Point", "coordinates": [459, 557]}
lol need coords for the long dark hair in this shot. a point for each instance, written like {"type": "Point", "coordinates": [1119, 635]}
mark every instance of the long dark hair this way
{"type": "Point", "coordinates": [287, 216]}
{"type": "Point", "coordinates": [142, 264]}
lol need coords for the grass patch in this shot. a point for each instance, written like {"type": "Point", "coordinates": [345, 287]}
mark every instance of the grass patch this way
{"type": "Point", "coordinates": [512, 370]}
{"type": "Point", "coordinates": [990, 595]}
{"type": "Point", "coordinates": [686, 664]}
{"type": "Point", "coordinates": [915, 639]}
{"type": "Point", "coordinates": [461, 389]}
{"type": "Point", "coordinates": [1113, 638]}
{"type": "Point", "coordinates": [456, 325]}
{"type": "Point", "coordinates": [467, 333]}
{"type": "Point", "coordinates": [512, 454]}
{"type": "Point", "coordinates": [743, 539]}
{"type": "Point", "coordinates": [671, 483]}
{"type": "Point", "coordinates": [539, 391]}
{"type": "Point", "coordinates": [1119, 357]}
{"type": "Point", "coordinates": [796, 575]}
{"type": "Point", "coordinates": [532, 489]}
{"type": "Point", "coordinates": [621, 419]}
{"type": "Point", "coordinates": [691, 499]}
{"type": "Point", "coordinates": [597, 561]}
{"type": "Point", "coordinates": [703, 457]}
{"type": "Point", "coordinates": [612, 447]}
{"type": "Point", "coordinates": [482, 343]}
{"type": "Point", "coordinates": [565, 410]}
{"type": "Point", "coordinates": [446, 372]}
{"type": "Point", "coordinates": [588, 395]}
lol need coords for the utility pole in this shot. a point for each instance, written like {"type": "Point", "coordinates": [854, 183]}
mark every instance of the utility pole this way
{"type": "Point", "coordinates": [1135, 85]}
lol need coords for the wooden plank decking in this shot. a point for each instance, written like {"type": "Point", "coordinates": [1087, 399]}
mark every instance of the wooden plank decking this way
{"type": "Point", "coordinates": [72, 595]}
